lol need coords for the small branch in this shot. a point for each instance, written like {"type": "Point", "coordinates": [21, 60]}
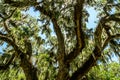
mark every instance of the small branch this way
{"type": "Point", "coordinates": [1, 16]}
{"type": "Point", "coordinates": [98, 33]}
{"type": "Point", "coordinates": [5, 66]}
{"type": "Point", "coordinates": [105, 9]}
{"type": "Point", "coordinates": [3, 34]}
{"type": "Point", "coordinates": [57, 29]}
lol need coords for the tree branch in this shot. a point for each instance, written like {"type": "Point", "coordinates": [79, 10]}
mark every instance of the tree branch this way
{"type": "Point", "coordinates": [61, 44]}
{"type": "Point", "coordinates": [60, 37]}
{"type": "Point", "coordinates": [8, 17]}
{"type": "Point", "coordinates": [86, 66]}
{"type": "Point", "coordinates": [78, 16]}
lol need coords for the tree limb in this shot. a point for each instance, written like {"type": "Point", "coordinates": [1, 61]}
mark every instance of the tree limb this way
{"type": "Point", "coordinates": [78, 16]}
{"type": "Point", "coordinates": [86, 66]}
{"type": "Point", "coordinates": [60, 37]}
{"type": "Point", "coordinates": [57, 29]}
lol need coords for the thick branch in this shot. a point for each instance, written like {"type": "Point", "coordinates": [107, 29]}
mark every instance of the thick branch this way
{"type": "Point", "coordinates": [78, 16]}
{"type": "Point", "coordinates": [5, 66]}
{"type": "Point", "coordinates": [77, 75]}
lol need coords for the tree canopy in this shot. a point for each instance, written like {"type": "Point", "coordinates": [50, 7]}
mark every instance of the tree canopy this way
{"type": "Point", "coordinates": [58, 45]}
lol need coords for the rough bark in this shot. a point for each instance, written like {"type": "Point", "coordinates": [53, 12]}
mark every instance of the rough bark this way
{"type": "Point", "coordinates": [63, 72]}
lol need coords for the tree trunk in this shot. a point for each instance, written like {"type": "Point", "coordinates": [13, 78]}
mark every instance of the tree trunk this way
{"type": "Point", "coordinates": [29, 70]}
